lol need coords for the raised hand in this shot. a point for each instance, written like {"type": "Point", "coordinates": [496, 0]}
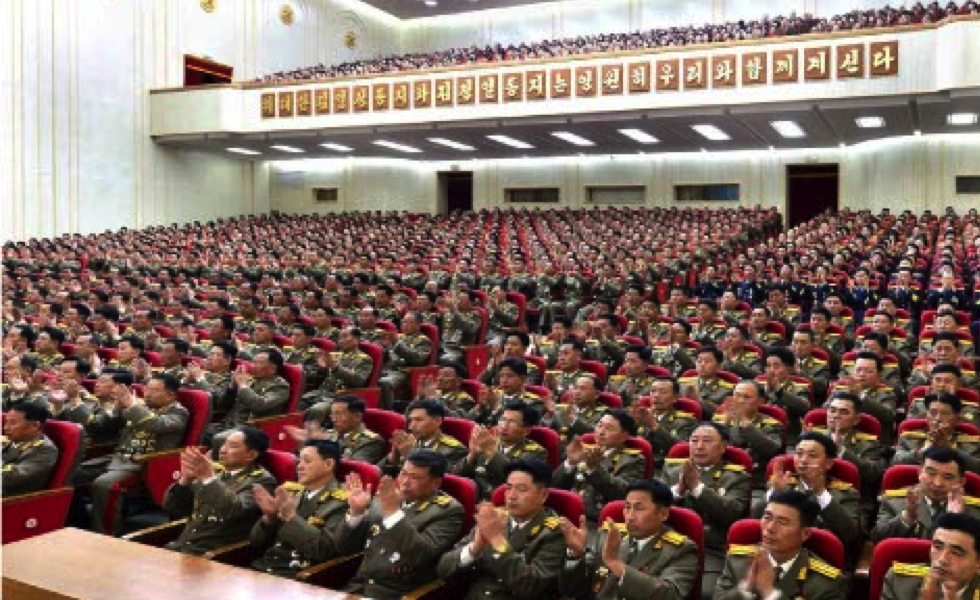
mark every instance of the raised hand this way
{"type": "Point", "coordinates": [576, 538]}
{"type": "Point", "coordinates": [765, 574]}
{"type": "Point", "coordinates": [575, 452]}
{"type": "Point", "coordinates": [358, 495]}
{"type": "Point", "coordinates": [911, 516]}
{"type": "Point", "coordinates": [389, 498]}
{"type": "Point", "coordinates": [610, 549]}
{"type": "Point", "coordinates": [690, 476]}
{"type": "Point", "coordinates": [492, 525]}
{"type": "Point", "coordinates": [287, 504]}
{"type": "Point", "coordinates": [593, 457]}
{"type": "Point", "coordinates": [266, 502]}
{"type": "Point", "coordinates": [955, 503]}
{"type": "Point", "coordinates": [780, 476]}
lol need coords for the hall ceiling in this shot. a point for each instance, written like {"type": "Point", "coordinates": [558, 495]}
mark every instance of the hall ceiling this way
{"type": "Point", "coordinates": [414, 9]}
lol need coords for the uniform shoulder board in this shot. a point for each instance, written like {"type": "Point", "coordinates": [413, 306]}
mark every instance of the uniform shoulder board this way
{"type": "Point", "coordinates": [257, 472]}
{"type": "Point", "coordinates": [768, 421]}
{"type": "Point", "coordinates": [672, 537]}
{"type": "Point", "coordinates": [725, 383]}
{"type": "Point", "coordinates": [743, 550]}
{"type": "Point", "coordinates": [288, 348]}
{"type": "Point", "coordinates": [915, 434]}
{"type": "Point", "coordinates": [718, 418]}
{"type": "Point", "coordinates": [552, 522]}
{"type": "Point", "coordinates": [972, 439]}
{"type": "Point", "coordinates": [687, 415]}
{"type": "Point", "coordinates": [837, 484]}
{"type": "Point", "coordinates": [736, 468]}
{"type": "Point", "coordinates": [531, 395]}
{"type": "Point", "coordinates": [442, 500]}
{"type": "Point", "coordinates": [865, 437]}
{"type": "Point", "coordinates": [369, 433]}
{"type": "Point", "coordinates": [293, 487]}
{"type": "Point", "coordinates": [360, 354]}
{"type": "Point", "coordinates": [450, 441]}
{"type": "Point", "coordinates": [687, 380]}
{"type": "Point", "coordinates": [339, 494]}
{"type": "Point", "coordinates": [620, 526]}
{"type": "Point", "coordinates": [823, 568]}
{"type": "Point", "coordinates": [532, 446]}
{"type": "Point", "coordinates": [896, 493]}
{"type": "Point", "coordinates": [971, 500]}
{"type": "Point", "coordinates": [675, 461]}
{"type": "Point", "coordinates": [631, 451]}
{"type": "Point", "coordinates": [910, 570]}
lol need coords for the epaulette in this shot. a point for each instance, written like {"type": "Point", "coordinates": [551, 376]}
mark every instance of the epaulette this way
{"type": "Point", "coordinates": [743, 550]}
{"type": "Point", "coordinates": [532, 446]}
{"type": "Point", "coordinates": [865, 437]}
{"type": "Point", "coordinates": [531, 394]}
{"type": "Point", "coordinates": [675, 461]}
{"type": "Point", "coordinates": [369, 433]}
{"type": "Point", "coordinates": [631, 451]}
{"type": "Point", "coordinates": [971, 500]}
{"type": "Point", "coordinates": [339, 494]}
{"type": "Point", "coordinates": [287, 347]}
{"type": "Point", "coordinates": [823, 568]}
{"type": "Point", "coordinates": [450, 441]}
{"type": "Point", "coordinates": [819, 361]}
{"type": "Point", "coordinates": [293, 487]}
{"type": "Point", "coordinates": [968, 438]}
{"type": "Point", "coordinates": [837, 484]}
{"type": "Point", "coordinates": [768, 421]}
{"type": "Point", "coordinates": [726, 383]}
{"type": "Point", "coordinates": [687, 380]}
{"type": "Point", "coordinates": [442, 500]}
{"type": "Point", "coordinates": [552, 522]}
{"type": "Point", "coordinates": [915, 434]}
{"type": "Point", "coordinates": [684, 415]}
{"type": "Point", "coordinates": [896, 493]}
{"type": "Point", "coordinates": [257, 472]}
{"type": "Point", "coordinates": [736, 468]}
{"type": "Point", "coordinates": [910, 570]}
{"type": "Point", "coordinates": [672, 537]}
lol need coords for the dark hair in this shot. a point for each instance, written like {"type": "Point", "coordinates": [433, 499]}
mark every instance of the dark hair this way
{"type": "Point", "coordinates": [785, 356]}
{"type": "Point", "coordinates": [945, 456]}
{"type": "Point", "coordinates": [660, 494]}
{"type": "Point", "coordinates": [684, 324]}
{"type": "Point", "coordinates": [952, 369]}
{"type": "Point", "coordinates": [626, 421]}
{"type": "Point", "coordinates": [888, 315]}
{"type": "Point", "coordinates": [713, 351]}
{"type": "Point", "coordinates": [171, 383]}
{"type": "Point", "coordinates": [122, 377]}
{"type": "Point", "coordinates": [529, 415]}
{"type": "Point", "coordinates": [354, 404]}
{"type": "Point", "coordinates": [708, 303]}
{"type": "Point", "coordinates": [947, 336]}
{"type": "Point", "coordinates": [961, 522]}
{"type": "Point", "coordinates": [255, 439]}
{"type": "Point", "coordinates": [82, 367]}
{"type": "Point", "coordinates": [805, 504]}
{"type": "Point", "coordinates": [852, 398]}
{"type": "Point", "coordinates": [326, 449]}
{"type": "Point", "coordinates": [879, 364]}
{"type": "Point", "coordinates": [32, 411]}
{"type": "Point", "coordinates": [433, 408]}
{"type": "Point", "coordinates": [55, 334]}
{"type": "Point", "coordinates": [517, 365]}
{"type": "Point", "coordinates": [642, 351]}
{"type": "Point", "coordinates": [539, 472]}
{"type": "Point", "coordinates": [948, 399]}
{"type": "Point", "coordinates": [275, 357]}
{"type": "Point", "coordinates": [134, 342]}
{"type": "Point", "coordinates": [722, 429]}
{"type": "Point", "coordinates": [879, 338]}
{"type": "Point", "coordinates": [742, 331]}
{"type": "Point", "coordinates": [307, 328]}
{"type": "Point", "coordinates": [829, 447]}
{"type": "Point", "coordinates": [566, 321]}
{"type": "Point", "coordinates": [823, 312]}
{"type": "Point", "coordinates": [228, 349]}
{"type": "Point", "coordinates": [460, 370]}
{"type": "Point", "coordinates": [430, 460]}
{"type": "Point", "coordinates": [520, 335]}
{"type": "Point", "coordinates": [181, 346]}
{"type": "Point", "coordinates": [675, 385]}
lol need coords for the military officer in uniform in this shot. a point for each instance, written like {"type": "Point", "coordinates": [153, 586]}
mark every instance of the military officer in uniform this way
{"type": "Point", "coordinates": [490, 404]}
{"type": "Point", "coordinates": [502, 315]}
{"type": "Point", "coordinates": [878, 399]}
{"type": "Point", "coordinates": [604, 345]}
{"type": "Point", "coordinates": [410, 349]}
{"type": "Point", "coordinates": [944, 379]}
{"type": "Point", "coordinates": [781, 564]}
{"type": "Point", "coordinates": [835, 344]}
{"type": "Point", "coordinates": [912, 512]}
{"type": "Point", "coordinates": [634, 382]}
{"type": "Point", "coordinates": [782, 392]}
{"type": "Point", "coordinates": [304, 354]}
{"type": "Point", "coordinates": [943, 414]}
{"type": "Point", "coordinates": [460, 326]}
{"type": "Point", "coordinates": [662, 424]}
{"type": "Point", "coordinates": [706, 386]}
{"type": "Point", "coordinates": [654, 562]}
{"type": "Point", "coordinates": [357, 442]}
{"type": "Point", "coordinates": [673, 353]}
{"type": "Point", "coordinates": [548, 347]}
{"type": "Point", "coordinates": [582, 413]}
{"type": "Point", "coordinates": [715, 488]}
{"type": "Point", "coordinates": [172, 353]}
{"type": "Point", "coordinates": [68, 400]}
{"type": "Point", "coordinates": [859, 448]}
{"type": "Point", "coordinates": [602, 473]}
{"type": "Point", "coordinates": [299, 523]}
{"type": "Point", "coordinates": [840, 502]}
{"type": "Point", "coordinates": [46, 347]}
{"type": "Point", "coordinates": [425, 419]}
{"type": "Point", "coordinates": [570, 368]}
{"type": "Point", "coordinates": [953, 571]}
{"type": "Point", "coordinates": [218, 499]}
{"type": "Point", "coordinates": [217, 379]}
{"type": "Point", "coordinates": [707, 330]}
{"type": "Point", "coordinates": [488, 453]}
{"type": "Point", "coordinates": [945, 352]}
{"type": "Point", "coordinates": [352, 370]}
{"type": "Point", "coordinates": [405, 530]}
{"type": "Point", "coordinates": [29, 457]}
{"type": "Point", "coordinates": [515, 552]}
{"type": "Point", "coordinates": [263, 340]}
{"type": "Point", "coordinates": [156, 424]}
{"type": "Point", "coordinates": [446, 389]}
{"type": "Point", "coordinates": [762, 437]}
{"type": "Point", "coordinates": [514, 345]}
{"type": "Point", "coordinates": [261, 393]}
{"type": "Point", "coordinates": [808, 365]}
{"type": "Point", "coordinates": [737, 358]}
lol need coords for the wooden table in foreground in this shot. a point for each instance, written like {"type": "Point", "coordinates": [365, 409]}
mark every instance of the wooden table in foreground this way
{"type": "Point", "coordinates": [79, 565]}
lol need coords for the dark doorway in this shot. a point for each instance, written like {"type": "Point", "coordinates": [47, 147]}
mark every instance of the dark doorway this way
{"type": "Point", "coordinates": [455, 191]}
{"type": "Point", "coordinates": [810, 191]}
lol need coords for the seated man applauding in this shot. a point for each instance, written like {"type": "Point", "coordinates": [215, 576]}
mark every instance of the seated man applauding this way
{"type": "Point", "coordinates": [953, 571]}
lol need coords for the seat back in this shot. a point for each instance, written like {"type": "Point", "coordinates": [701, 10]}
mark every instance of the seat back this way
{"type": "Point", "coordinates": [633, 443]}
{"type": "Point", "coordinates": [689, 406]}
{"type": "Point", "coordinates": [464, 490]}
{"type": "Point", "coordinates": [275, 428]}
{"type": "Point", "coordinates": [520, 302]}
{"type": "Point", "coordinates": [897, 477]}
{"type": "Point", "coordinates": [538, 390]}
{"type": "Point", "coordinates": [198, 405]}
{"type": "Point", "coordinates": [461, 429]}
{"type": "Point", "coordinates": [370, 474]}
{"type": "Point", "coordinates": [596, 368]}
{"type": "Point", "coordinates": [611, 400]}
{"type": "Point", "coordinates": [377, 358]}
{"type": "Point", "coordinates": [732, 454]}
{"type": "Point", "coordinates": [922, 424]}
{"type": "Point", "coordinates": [324, 344]}
{"type": "Point", "coordinates": [281, 465]}
{"type": "Point", "coordinates": [841, 469]}
{"type": "Point", "coordinates": [890, 551]}
{"type": "Point", "coordinates": [821, 542]}
{"type": "Point", "coordinates": [548, 439]}
{"type": "Point", "coordinates": [538, 362]}
{"type": "Point", "coordinates": [567, 504]}
{"type": "Point", "coordinates": [293, 374]}
{"type": "Point", "coordinates": [384, 422]}
{"type": "Point", "coordinates": [818, 418]}
{"type": "Point", "coordinates": [472, 387]}
{"type": "Point", "coordinates": [432, 332]}
{"type": "Point", "coordinates": [69, 438]}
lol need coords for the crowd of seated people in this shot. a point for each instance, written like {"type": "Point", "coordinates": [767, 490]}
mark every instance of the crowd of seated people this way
{"type": "Point", "coordinates": [607, 377]}
{"type": "Point", "coordinates": [766, 27]}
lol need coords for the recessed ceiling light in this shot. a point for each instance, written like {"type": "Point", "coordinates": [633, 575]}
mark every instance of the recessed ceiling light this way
{"type": "Point", "coordinates": [337, 147]}
{"type": "Point", "coordinates": [431, 3]}
{"type": "Point", "coordinates": [788, 129]}
{"type": "Point", "coordinates": [243, 151]}
{"type": "Point", "coordinates": [962, 119]}
{"type": "Point", "coordinates": [705, 150]}
{"type": "Point", "coordinates": [711, 132]}
{"type": "Point", "coordinates": [397, 146]}
{"type": "Point", "coordinates": [917, 133]}
{"type": "Point", "coordinates": [452, 144]}
{"type": "Point", "coordinates": [639, 135]}
{"type": "Point", "coordinates": [870, 122]}
{"type": "Point", "coordinates": [509, 141]}
{"type": "Point", "coordinates": [290, 149]}
{"type": "Point", "coordinates": [571, 138]}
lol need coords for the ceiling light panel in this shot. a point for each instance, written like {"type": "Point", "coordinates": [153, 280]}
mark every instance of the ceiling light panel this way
{"type": "Point", "coordinates": [244, 151]}
{"type": "Point", "coordinates": [289, 149]}
{"type": "Point", "coordinates": [509, 141]}
{"type": "Point", "coordinates": [788, 129]}
{"type": "Point", "coordinates": [396, 146]}
{"type": "Point", "coordinates": [337, 147]}
{"type": "Point", "coordinates": [711, 132]}
{"type": "Point", "coordinates": [870, 122]}
{"type": "Point", "coordinates": [571, 138]}
{"type": "Point", "coordinates": [638, 135]}
{"type": "Point", "coordinates": [451, 144]}
{"type": "Point", "coordinates": [959, 119]}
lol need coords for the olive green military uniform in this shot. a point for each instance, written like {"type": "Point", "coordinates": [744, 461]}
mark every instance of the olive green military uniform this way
{"type": "Point", "coordinates": [528, 567]}
{"type": "Point", "coordinates": [361, 444]}
{"type": "Point", "coordinates": [179, 371]}
{"type": "Point", "coordinates": [911, 442]}
{"type": "Point", "coordinates": [264, 398]}
{"type": "Point", "coordinates": [610, 352]}
{"type": "Point", "coordinates": [250, 351]}
{"type": "Point", "coordinates": [446, 445]}
{"type": "Point", "coordinates": [794, 399]}
{"type": "Point", "coordinates": [403, 557]}
{"type": "Point", "coordinates": [609, 481]}
{"type": "Point", "coordinates": [457, 403]}
{"type": "Point", "coordinates": [491, 375]}
{"type": "Point", "coordinates": [548, 350]}
{"type": "Point", "coordinates": [409, 351]}
{"type": "Point", "coordinates": [629, 389]}
{"type": "Point", "coordinates": [665, 568]}
{"type": "Point", "coordinates": [502, 318]}
{"type": "Point", "coordinates": [746, 364]}
{"type": "Point", "coordinates": [27, 466]}
{"type": "Point", "coordinates": [969, 414]}
{"type": "Point", "coordinates": [305, 540]}
{"type": "Point", "coordinates": [920, 376]}
{"type": "Point", "coordinates": [863, 450]}
{"type": "Point", "coordinates": [564, 381]}
{"type": "Point", "coordinates": [841, 516]}
{"type": "Point", "coordinates": [711, 392]}
{"type": "Point", "coordinates": [893, 503]}
{"type": "Point", "coordinates": [881, 404]}
{"type": "Point", "coordinates": [306, 359]}
{"type": "Point", "coordinates": [543, 299]}
{"type": "Point", "coordinates": [352, 371]}
{"type": "Point", "coordinates": [766, 339]}
{"type": "Point", "coordinates": [48, 360]}
{"type": "Point", "coordinates": [723, 499]}
{"type": "Point", "coordinates": [483, 415]}
{"type": "Point", "coordinates": [459, 329]}
{"type": "Point", "coordinates": [219, 512]}
{"type": "Point", "coordinates": [489, 473]}
{"type": "Point", "coordinates": [762, 439]}
{"type": "Point", "coordinates": [672, 357]}
{"type": "Point", "coordinates": [904, 582]}
{"type": "Point", "coordinates": [710, 334]}
{"type": "Point", "coordinates": [80, 413]}
{"type": "Point", "coordinates": [818, 372]}
{"type": "Point", "coordinates": [672, 427]}
{"type": "Point", "coordinates": [219, 386]}
{"type": "Point", "coordinates": [582, 421]}
{"type": "Point", "coordinates": [809, 577]}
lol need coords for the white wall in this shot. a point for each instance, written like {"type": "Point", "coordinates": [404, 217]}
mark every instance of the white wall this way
{"type": "Point", "coordinates": [917, 173]}
{"type": "Point", "coordinates": [75, 149]}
